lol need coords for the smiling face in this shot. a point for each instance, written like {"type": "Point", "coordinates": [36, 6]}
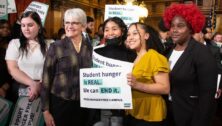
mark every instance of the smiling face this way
{"type": "Point", "coordinates": [29, 28]}
{"type": "Point", "coordinates": [136, 38]}
{"type": "Point", "coordinates": [112, 30]}
{"type": "Point", "coordinates": [179, 30]}
{"type": "Point", "coordinates": [73, 27]}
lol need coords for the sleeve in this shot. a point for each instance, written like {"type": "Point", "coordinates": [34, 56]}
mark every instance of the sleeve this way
{"type": "Point", "coordinates": [48, 75]}
{"type": "Point", "coordinates": [160, 63]}
{"type": "Point", "coordinates": [12, 52]}
{"type": "Point", "coordinates": [207, 78]}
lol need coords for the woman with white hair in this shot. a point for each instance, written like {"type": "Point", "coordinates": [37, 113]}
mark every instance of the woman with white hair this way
{"type": "Point", "coordinates": [60, 86]}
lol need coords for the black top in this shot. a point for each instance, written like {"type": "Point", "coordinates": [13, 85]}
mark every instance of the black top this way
{"type": "Point", "coordinates": [117, 52]}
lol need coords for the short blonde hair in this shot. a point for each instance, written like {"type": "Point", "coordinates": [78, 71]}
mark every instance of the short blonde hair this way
{"type": "Point", "coordinates": [76, 14]}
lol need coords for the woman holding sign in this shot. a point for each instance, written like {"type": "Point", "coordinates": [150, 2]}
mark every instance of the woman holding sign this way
{"type": "Point", "coordinates": [149, 78]}
{"type": "Point", "coordinates": [25, 56]}
{"type": "Point", "coordinates": [115, 32]}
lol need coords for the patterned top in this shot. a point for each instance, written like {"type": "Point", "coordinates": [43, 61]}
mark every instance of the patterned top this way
{"type": "Point", "coordinates": [61, 70]}
{"type": "Point", "coordinates": [149, 107]}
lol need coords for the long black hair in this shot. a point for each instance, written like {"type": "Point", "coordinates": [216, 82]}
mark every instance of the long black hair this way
{"type": "Point", "coordinates": [153, 41]}
{"type": "Point", "coordinates": [40, 36]}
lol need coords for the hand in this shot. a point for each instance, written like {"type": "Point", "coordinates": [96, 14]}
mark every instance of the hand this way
{"type": "Point", "coordinates": [34, 90]}
{"type": "Point", "coordinates": [2, 92]}
{"type": "Point", "coordinates": [218, 93]}
{"type": "Point", "coordinates": [49, 121]}
{"type": "Point", "coordinates": [131, 80]}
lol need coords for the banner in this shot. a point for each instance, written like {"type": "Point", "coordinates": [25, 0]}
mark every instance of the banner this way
{"type": "Point", "coordinates": [11, 6]}
{"type": "Point", "coordinates": [105, 88]}
{"type": "Point", "coordinates": [102, 61]}
{"type": "Point", "coordinates": [27, 113]}
{"type": "Point", "coordinates": [129, 14]}
{"type": "Point", "coordinates": [3, 10]}
{"type": "Point", "coordinates": [40, 8]}
{"type": "Point", "coordinates": [5, 108]}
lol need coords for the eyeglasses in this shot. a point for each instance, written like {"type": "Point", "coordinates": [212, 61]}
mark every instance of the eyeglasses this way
{"type": "Point", "coordinates": [72, 23]}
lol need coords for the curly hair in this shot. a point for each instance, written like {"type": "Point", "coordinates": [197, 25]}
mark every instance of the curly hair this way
{"type": "Point", "coordinates": [189, 12]}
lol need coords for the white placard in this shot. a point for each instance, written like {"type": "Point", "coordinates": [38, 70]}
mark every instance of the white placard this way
{"type": "Point", "coordinates": [11, 6]}
{"type": "Point", "coordinates": [3, 9]}
{"type": "Point", "coordinates": [40, 8]}
{"type": "Point", "coordinates": [129, 14]}
{"type": "Point", "coordinates": [105, 88]}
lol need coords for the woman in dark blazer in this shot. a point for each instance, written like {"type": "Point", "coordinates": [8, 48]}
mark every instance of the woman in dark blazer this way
{"type": "Point", "coordinates": [193, 73]}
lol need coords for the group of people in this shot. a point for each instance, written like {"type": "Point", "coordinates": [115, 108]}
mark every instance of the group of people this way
{"type": "Point", "coordinates": [186, 74]}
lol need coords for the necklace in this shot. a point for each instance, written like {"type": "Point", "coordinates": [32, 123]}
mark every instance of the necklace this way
{"type": "Point", "coordinates": [77, 45]}
{"type": "Point", "coordinates": [33, 45]}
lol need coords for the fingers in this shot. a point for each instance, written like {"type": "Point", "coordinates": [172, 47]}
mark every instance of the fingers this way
{"type": "Point", "coordinates": [218, 94]}
{"type": "Point", "coordinates": [48, 119]}
{"type": "Point", "coordinates": [53, 123]}
{"type": "Point", "coordinates": [130, 79]}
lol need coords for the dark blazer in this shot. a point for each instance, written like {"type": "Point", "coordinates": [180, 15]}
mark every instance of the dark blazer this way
{"type": "Point", "coordinates": [215, 50]}
{"type": "Point", "coordinates": [193, 86]}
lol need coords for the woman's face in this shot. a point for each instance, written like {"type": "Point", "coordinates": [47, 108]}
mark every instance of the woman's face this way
{"type": "Point", "coordinates": [73, 28]}
{"type": "Point", "coordinates": [112, 30]}
{"type": "Point", "coordinates": [4, 30]}
{"type": "Point", "coordinates": [179, 30]}
{"type": "Point", "coordinates": [136, 37]}
{"type": "Point", "coordinates": [29, 28]}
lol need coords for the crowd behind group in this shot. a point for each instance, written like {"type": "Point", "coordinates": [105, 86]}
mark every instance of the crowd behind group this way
{"type": "Point", "coordinates": [173, 80]}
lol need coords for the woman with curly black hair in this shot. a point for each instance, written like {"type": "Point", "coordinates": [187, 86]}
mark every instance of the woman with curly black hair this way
{"type": "Point", "coordinates": [193, 75]}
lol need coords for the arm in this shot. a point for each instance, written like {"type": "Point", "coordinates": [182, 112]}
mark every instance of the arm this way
{"type": "Point", "coordinates": [19, 75]}
{"type": "Point", "coordinates": [22, 78]}
{"type": "Point", "coordinates": [3, 89]}
{"type": "Point", "coordinates": [160, 86]}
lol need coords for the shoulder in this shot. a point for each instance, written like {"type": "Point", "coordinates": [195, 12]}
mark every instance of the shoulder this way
{"type": "Point", "coordinates": [14, 42]}
{"type": "Point", "coordinates": [60, 43]}
{"type": "Point", "coordinates": [201, 53]}
{"type": "Point", "coordinates": [198, 46]}
{"type": "Point", "coordinates": [154, 54]}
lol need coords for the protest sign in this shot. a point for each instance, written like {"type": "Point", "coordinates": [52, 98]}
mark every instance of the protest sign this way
{"type": "Point", "coordinates": [105, 88]}
{"type": "Point", "coordinates": [3, 9]}
{"type": "Point", "coordinates": [27, 113]}
{"type": "Point", "coordinates": [126, 12]}
{"type": "Point", "coordinates": [11, 6]}
{"type": "Point", "coordinates": [40, 8]}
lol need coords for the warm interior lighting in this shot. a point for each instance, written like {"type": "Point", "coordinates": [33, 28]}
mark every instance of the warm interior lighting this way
{"type": "Point", "coordinates": [143, 11]}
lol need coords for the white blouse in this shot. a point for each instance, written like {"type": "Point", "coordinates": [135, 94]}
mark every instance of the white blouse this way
{"type": "Point", "coordinates": [32, 63]}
